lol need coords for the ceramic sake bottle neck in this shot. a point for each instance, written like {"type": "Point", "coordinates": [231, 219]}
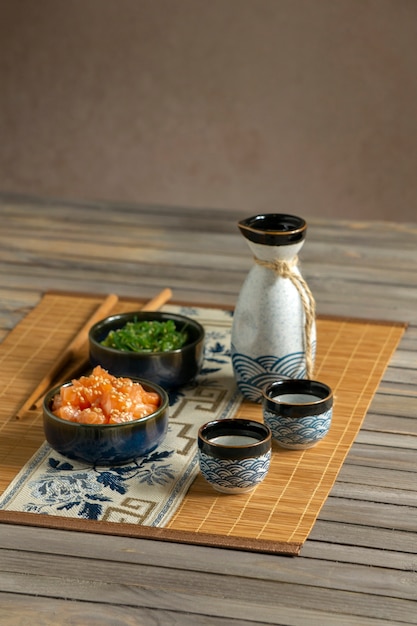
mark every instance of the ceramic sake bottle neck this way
{"type": "Point", "coordinates": [270, 253]}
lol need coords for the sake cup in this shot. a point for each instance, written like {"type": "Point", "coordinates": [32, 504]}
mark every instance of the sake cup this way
{"type": "Point", "coordinates": [234, 454]}
{"type": "Point", "coordinates": [298, 412]}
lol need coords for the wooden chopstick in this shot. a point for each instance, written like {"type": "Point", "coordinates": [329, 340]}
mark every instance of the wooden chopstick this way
{"type": "Point", "coordinates": [158, 301]}
{"type": "Point", "coordinates": [70, 351]}
{"type": "Point", "coordinates": [75, 346]}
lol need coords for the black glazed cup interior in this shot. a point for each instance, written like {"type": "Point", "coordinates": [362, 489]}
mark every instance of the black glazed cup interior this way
{"type": "Point", "coordinates": [258, 432]}
{"type": "Point", "coordinates": [320, 393]}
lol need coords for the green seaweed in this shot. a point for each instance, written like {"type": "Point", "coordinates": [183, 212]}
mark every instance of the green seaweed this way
{"type": "Point", "coordinates": [146, 336]}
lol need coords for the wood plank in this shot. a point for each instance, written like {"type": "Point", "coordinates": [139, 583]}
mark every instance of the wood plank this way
{"type": "Point", "coordinates": [371, 513]}
{"type": "Point", "coordinates": [384, 439]}
{"type": "Point", "coordinates": [373, 493]}
{"type": "Point", "coordinates": [388, 457]}
{"type": "Point", "coordinates": [404, 405]}
{"type": "Point", "coordinates": [19, 610]}
{"type": "Point", "coordinates": [363, 555]}
{"type": "Point", "coordinates": [343, 534]}
{"type": "Point", "coordinates": [391, 424]}
{"type": "Point", "coordinates": [374, 477]}
{"type": "Point", "coordinates": [154, 555]}
{"type": "Point", "coordinates": [194, 592]}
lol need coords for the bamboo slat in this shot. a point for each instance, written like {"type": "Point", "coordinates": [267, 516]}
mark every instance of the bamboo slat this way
{"type": "Point", "coordinates": [351, 357]}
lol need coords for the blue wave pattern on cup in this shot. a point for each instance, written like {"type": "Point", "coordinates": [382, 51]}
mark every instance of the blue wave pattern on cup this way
{"type": "Point", "coordinates": [234, 476]}
{"type": "Point", "coordinates": [298, 433]}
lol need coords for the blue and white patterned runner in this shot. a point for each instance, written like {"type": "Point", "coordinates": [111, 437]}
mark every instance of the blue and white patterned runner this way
{"type": "Point", "coordinates": [149, 490]}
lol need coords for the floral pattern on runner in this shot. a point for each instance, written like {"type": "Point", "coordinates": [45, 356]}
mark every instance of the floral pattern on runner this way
{"type": "Point", "coordinates": [63, 487]}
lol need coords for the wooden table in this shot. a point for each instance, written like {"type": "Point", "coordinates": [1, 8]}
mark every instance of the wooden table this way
{"type": "Point", "coordinates": [359, 564]}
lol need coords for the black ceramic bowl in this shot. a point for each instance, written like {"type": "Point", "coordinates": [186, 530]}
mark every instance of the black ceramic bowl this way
{"type": "Point", "coordinates": [168, 369]}
{"type": "Point", "coordinates": [106, 444]}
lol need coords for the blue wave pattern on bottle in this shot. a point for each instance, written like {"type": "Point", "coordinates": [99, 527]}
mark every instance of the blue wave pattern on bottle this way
{"type": "Point", "coordinates": [298, 433]}
{"type": "Point", "coordinates": [234, 476]}
{"type": "Point", "coordinates": [252, 375]}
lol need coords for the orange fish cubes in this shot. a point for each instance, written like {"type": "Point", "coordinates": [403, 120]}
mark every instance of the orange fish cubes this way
{"type": "Point", "coordinates": [102, 398]}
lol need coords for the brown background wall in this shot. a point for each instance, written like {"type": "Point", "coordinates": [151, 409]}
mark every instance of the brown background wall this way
{"type": "Point", "coordinates": [303, 106]}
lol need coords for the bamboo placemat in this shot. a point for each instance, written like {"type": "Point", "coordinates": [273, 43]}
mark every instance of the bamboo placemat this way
{"type": "Point", "coordinates": [278, 516]}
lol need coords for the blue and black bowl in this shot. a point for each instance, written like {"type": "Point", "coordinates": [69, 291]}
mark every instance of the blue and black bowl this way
{"type": "Point", "coordinates": [107, 444]}
{"type": "Point", "coordinates": [169, 369]}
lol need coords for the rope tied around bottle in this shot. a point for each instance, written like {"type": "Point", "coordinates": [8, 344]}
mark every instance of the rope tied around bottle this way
{"type": "Point", "coordinates": [285, 269]}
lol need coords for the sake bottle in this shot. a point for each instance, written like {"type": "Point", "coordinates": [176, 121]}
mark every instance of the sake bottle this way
{"type": "Point", "coordinates": [274, 327]}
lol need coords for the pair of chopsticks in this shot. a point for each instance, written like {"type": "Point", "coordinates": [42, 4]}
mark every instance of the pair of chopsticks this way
{"type": "Point", "coordinates": [77, 344]}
